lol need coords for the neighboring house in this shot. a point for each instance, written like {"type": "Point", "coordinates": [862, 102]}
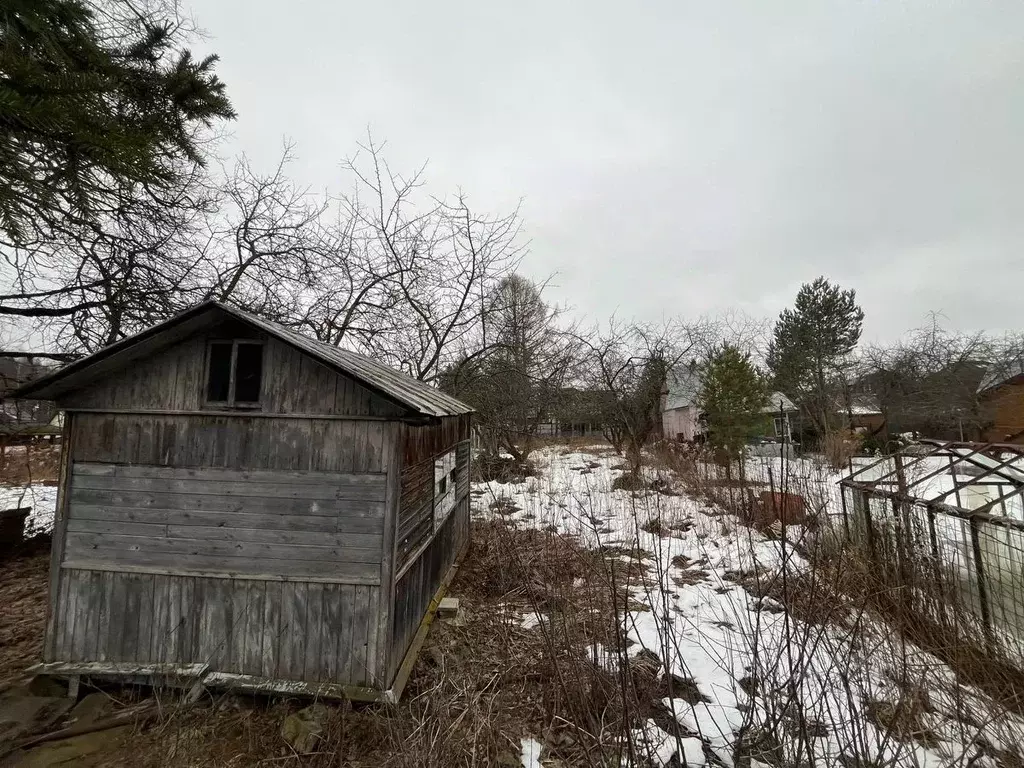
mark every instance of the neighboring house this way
{"type": "Point", "coordinates": [23, 420]}
{"type": "Point", "coordinates": [1001, 402]}
{"type": "Point", "coordinates": [681, 417]}
{"type": "Point", "coordinates": [579, 413]}
{"type": "Point", "coordinates": [235, 494]}
{"type": "Point", "coordinates": [864, 414]}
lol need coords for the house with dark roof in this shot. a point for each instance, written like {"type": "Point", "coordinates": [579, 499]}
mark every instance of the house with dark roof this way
{"type": "Point", "coordinates": [243, 507]}
{"type": "Point", "coordinates": [24, 420]}
{"type": "Point", "coordinates": [1001, 403]}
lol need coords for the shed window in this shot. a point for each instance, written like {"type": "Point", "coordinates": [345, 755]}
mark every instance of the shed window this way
{"type": "Point", "coordinates": [444, 487]}
{"type": "Point", "coordinates": [234, 374]}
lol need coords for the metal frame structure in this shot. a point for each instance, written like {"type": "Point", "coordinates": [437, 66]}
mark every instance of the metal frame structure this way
{"type": "Point", "coordinates": [898, 496]}
{"type": "Point", "coordinates": [1005, 474]}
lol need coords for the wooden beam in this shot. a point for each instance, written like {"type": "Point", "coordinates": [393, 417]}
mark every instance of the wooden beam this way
{"type": "Point", "coordinates": [254, 684]}
{"type": "Point", "coordinates": [60, 518]}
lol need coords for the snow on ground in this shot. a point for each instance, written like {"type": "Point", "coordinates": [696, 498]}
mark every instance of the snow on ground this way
{"type": "Point", "coordinates": [705, 627]}
{"type": "Point", "coordinates": [42, 499]}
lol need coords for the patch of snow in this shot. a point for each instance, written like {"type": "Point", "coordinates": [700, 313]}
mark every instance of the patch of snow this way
{"type": "Point", "coordinates": [42, 499]}
{"type": "Point", "coordinates": [531, 749]}
{"type": "Point", "coordinates": [531, 620]}
{"type": "Point", "coordinates": [702, 626]}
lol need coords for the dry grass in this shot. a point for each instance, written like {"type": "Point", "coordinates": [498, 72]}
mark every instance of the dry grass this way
{"type": "Point", "coordinates": [23, 604]}
{"type": "Point", "coordinates": [482, 682]}
{"type": "Point", "coordinates": [22, 465]}
{"type": "Point", "coordinates": [839, 448]}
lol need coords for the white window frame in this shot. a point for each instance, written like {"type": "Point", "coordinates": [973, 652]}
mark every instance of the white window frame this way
{"type": "Point", "coordinates": [444, 487]}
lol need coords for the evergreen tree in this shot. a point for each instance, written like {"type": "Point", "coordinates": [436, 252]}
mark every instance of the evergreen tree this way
{"type": "Point", "coordinates": [811, 346]}
{"type": "Point", "coordinates": [94, 98]}
{"type": "Point", "coordinates": [732, 397]}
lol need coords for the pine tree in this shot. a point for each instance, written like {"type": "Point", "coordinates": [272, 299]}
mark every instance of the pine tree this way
{"type": "Point", "coordinates": [90, 103]}
{"type": "Point", "coordinates": [811, 346]}
{"type": "Point", "coordinates": [732, 397]}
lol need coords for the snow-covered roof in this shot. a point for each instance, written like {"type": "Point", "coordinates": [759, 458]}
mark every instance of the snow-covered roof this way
{"type": "Point", "coordinates": [778, 401]}
{"type": "Point", "coordinates": [1000, 372]}
{"type": "Point", "coordinates": [683, 384]}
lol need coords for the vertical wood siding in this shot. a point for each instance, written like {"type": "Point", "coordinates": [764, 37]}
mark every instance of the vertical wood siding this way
{"type": "Point", "coordinates": [175, 379]}
{"type": "Point", "coordinates": [233, 441]}
{"type": "Point", "coordinates": [418, 585]}
{"type": "Point", "coordinates": [280, 630]}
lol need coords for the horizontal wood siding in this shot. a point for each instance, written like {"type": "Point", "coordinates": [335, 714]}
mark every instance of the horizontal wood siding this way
{"type": "Point", "coordinates": [175, 379]}
{"type": "Point", "coordinates": [418, 585]}
{"type": "Point", "coordinates": [312, 632]}
{"type": "Point", "coordinates": [232, 441]}
{"type": "Point", "coordinates": [415, 509]}
{"type": "Point", "coordinates": [227, 538]}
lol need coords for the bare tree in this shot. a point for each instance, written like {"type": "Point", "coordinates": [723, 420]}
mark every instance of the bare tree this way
{"type": "Point", "coordinates": [519, 379]}
{"type": "Point", "coordinates": [385, 269]}
{"type": "Point", "coordinates": [629, 362]}
{"type": "Point", "coordinates": [927, 382]}
{"type": "Point", "coordinates": [437, 259]}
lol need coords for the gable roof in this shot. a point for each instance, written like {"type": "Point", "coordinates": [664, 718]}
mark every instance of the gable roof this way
{"type": "Point", "coordinates": [683, 385]}
{"type": "Point", "coordinates": [417, 396]}
{"type": "Point", "coordinates": [1001, 373]}
{"type": "Point", "coordinates": [683, 382]}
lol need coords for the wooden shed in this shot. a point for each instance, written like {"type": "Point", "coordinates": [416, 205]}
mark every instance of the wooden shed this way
{"type": "Point", "coordinates": [245, 507]}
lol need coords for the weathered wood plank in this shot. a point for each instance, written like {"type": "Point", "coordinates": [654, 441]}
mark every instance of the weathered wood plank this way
{"type": "Point", "coordinates": [314, 598]}
{"type": "Point", "coordinates": [159, 635]}
{"type": "Point", "coordinates": [60, 515]}
{"type": "Point", "coordinates": [114, 640]}
{"type": "Point", "coordinates": [207, 440]}
{"type": "Point", "coordinates": [292, 648]}
{"type": "Point", "coordinates": [154, 472]}
{"type": "Point", "coordinates": [61, 619]}
{"type": "Point", "coordinates": [358, 649]}
{"type": "Point", "coordinates": [132, 589]}
{"type": "Point", "coordinates": [255, 513]}
{"type": "Point", "coordinates": [362, 541]}
{"type": "Point", "coordinates": [238, 596]}
{"type": "Point", "coordinates": [79, 602]}
{"type": "Point", "coordinates": [346, 668]}
{"type": "Point", "coordinates": [214, 622]}
{"type": "Point", "coordinates": [292, 490]}
{"type": "Point", "coordinates": [372, 629]}
{"type": "Point", "coordinates": [330, 632]}
{"type": "Point", "coordinates": [90, 545]}
{"type": "Point", "coordinates": [112, 527]}
{"type": "Point", "coordinates": [252, 655]}
{"type": "Point", "coordinates": [191, 615]}
{"type": "Point", "coordinates": [147, 615]}
{"type": "Point", "coordinates": [271, 630]}
{"type": "Point", "coordinates": [219, 567]}
{"type": "Point", "coordinates": [392, 458]}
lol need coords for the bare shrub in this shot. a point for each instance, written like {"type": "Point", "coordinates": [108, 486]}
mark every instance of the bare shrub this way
{"type": "Point", "coordinates": [839, 448]}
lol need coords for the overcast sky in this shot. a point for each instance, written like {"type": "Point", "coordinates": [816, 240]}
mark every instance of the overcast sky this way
{"type": "Point", "coordinates": [676, 157]}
